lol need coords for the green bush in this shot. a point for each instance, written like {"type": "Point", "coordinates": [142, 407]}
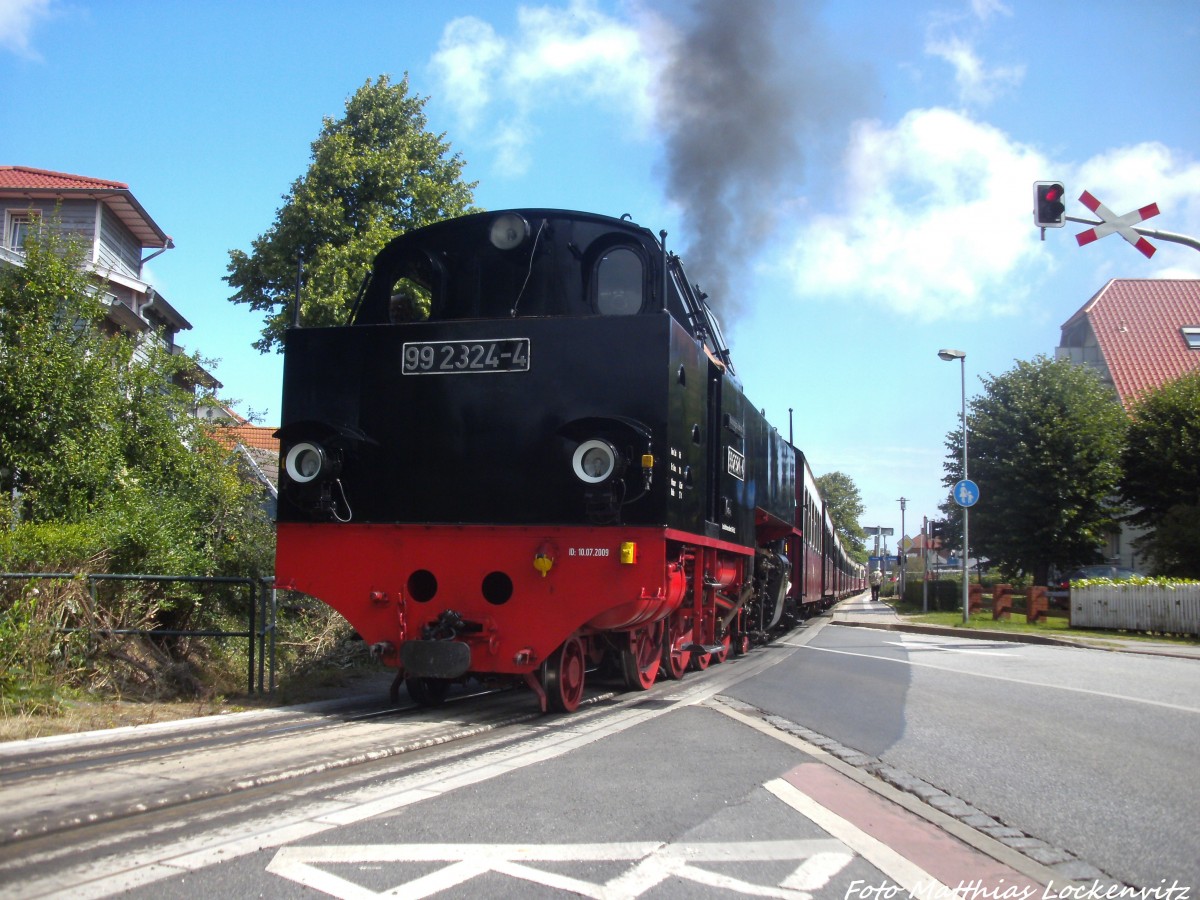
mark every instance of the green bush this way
{"type": "Point", "coordinates": [105, 468]}
{"type": "Point", "coordinates": [944, 594]}
{"type": "Point", "coordinates": [51, 547]}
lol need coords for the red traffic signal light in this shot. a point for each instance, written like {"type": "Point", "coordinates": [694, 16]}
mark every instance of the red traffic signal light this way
{"type": "Point", "coordinates": [1049, 210]}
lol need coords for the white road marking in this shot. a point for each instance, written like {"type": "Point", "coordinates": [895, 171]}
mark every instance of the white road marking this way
{"type": "Point", "coordinates": [652, 863]}
{"type": "Point", "coordinates": [928, 645]}
{"type": "Point", "coordinates": [116, 872]}
{"type": "Point", "coordinates": [916, 881]}
{"type": "Point", "coordinates": [1023, 682]}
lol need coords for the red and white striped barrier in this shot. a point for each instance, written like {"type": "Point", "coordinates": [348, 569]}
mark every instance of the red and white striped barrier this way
{"type": "Point", "coordinates": [1122, 225]}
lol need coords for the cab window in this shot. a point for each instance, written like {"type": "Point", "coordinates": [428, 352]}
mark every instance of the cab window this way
{"type": "Point", "coordinates": [409, 302]}
{"type": "Point", "coordinates": [620, 282]}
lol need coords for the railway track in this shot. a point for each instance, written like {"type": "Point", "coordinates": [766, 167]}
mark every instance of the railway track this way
{"type": "Point", "coordinates": [95, 815]}
{"type": "Point", "coordinates": [56, 784]}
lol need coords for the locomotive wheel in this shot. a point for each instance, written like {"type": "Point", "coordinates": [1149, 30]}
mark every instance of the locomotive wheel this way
{"type": "Point", "coordinates": [564, 675]}
{"type": "Point", "coordinates": [427, 691]}
{"type": "Point", "coordinates": [723, 654]}
{"type": "Point", "coordinates": [675, 659]}
{"type": "Point", "coordinates": [641, 657]}
{"type": "Point", "coordinates": [701, 661]}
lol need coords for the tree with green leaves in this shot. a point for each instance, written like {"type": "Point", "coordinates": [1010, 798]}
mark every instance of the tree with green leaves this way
{"type": "Point", "coordinates": [1161, 482]}
{"type": "Point", "coordinates": [375, 173]}
{"type": "Point", "coordinates": [96, 438]}
{"type": "Point", "coordinates": [844, 504]}
{"type": "Point", "coordinates": [59, 385]}
{"type": "Point", "coordinates": [1044, 445]}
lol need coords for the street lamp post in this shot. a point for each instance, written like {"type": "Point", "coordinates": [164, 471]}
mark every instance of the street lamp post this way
{"type": "Point", "coordinates": [950, 355]}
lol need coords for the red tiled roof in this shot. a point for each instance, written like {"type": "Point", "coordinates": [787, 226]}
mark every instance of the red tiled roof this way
{"type": "Point", "coordinates": [1137, 324]}
{"type": "Point", "coordinates": [28, 183]}
{"type": "Point", "coordinates": [257, 437]}
{"type": "Point", "coordinates": [24, 177]}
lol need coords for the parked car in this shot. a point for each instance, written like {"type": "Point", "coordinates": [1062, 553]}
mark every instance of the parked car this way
{"type": "Point", "coordinates": [1062, 590]}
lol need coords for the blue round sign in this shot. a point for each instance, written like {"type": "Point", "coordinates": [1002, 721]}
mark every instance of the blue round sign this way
{"type": "Point", "coordinates": [966, 493]}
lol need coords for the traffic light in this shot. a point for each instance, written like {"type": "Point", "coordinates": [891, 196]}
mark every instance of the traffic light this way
{"type": "Point", "coordinates": [1049, 211]}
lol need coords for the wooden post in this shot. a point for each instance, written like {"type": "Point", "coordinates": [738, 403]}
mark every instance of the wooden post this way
{"type": "Point", "coordinates": [1002, 601]}
{"type": "Point", "coordinates": [1036, 605]}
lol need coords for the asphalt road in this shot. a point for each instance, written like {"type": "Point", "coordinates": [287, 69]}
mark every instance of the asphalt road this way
{"type": "Point", "coordinates": [1091, 751]}
{"type": "Point", "coordinates": [702, 788]}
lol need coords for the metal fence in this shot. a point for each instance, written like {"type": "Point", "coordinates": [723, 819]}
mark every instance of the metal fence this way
{"type": "Point", "coordinates": [260, 627]}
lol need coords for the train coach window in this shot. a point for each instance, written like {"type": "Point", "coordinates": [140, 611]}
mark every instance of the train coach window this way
{"type": "Point", "coordinates": [619, 283]}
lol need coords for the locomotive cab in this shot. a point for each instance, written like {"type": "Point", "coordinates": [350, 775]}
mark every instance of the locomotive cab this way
{"type": "Point", "coordinates": [514, 264]}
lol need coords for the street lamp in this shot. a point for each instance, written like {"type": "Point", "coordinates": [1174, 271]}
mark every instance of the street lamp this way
{"type": "Point", "coordinates": [950, 355]}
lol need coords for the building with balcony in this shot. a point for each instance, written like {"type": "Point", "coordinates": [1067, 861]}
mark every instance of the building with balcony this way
{"type": "Point", "coordinates": [118, 235]}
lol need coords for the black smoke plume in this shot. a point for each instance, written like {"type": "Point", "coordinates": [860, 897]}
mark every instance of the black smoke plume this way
{"type": "Point", "coordinates": [749, 87]}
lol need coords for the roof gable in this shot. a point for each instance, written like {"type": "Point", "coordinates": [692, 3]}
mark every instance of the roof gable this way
{"type": "Point", "coordinates": [1136, 323]}
{"type": "Point", "coordinates": [26, 178]}
{"type": "Point", "coordinates": [26, 183]}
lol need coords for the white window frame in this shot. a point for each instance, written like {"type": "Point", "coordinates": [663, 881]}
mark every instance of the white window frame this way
{"type": "Point", "coordinates": [1191, 336]}
{"type": "Point", "coordinates": [13, 220]}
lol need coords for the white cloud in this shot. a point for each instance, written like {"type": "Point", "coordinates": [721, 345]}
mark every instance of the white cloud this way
{"type": "Point", "coordinates": [557, 55]}
{"type": "Point", "coordinates": [466, 59]}
{"type": "Point", "coordinates": [977, 84]}
{"type": "Point", "coordinates": [984, 9]}
{"type": "Point", "coordinates": [1128, 178]}
{"type": "Point", "coordinates": [1143, 173]}
{"type": "Point", "coordinates": [18, 18]}
{"type": "Point", "coordinates": [936, 217]}
{"type": "Point", "coordinates": [953, 37]}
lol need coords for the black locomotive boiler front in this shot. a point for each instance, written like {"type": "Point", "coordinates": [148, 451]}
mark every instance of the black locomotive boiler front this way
{"type": "Point", "coordinates": [471, 412]}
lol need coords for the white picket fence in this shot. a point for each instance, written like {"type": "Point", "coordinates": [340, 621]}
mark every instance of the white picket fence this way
{"type": "Point", "coordinates": [1138, 607]}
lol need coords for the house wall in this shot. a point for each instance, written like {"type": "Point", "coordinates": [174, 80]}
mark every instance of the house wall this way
{"type": "Point", "coordinates": [1120, 549]}
{"type": "Point", "coordinates": [1078, 345]}
{"type": "Point", "coordinates": [76, 218]}
{"type": "Point", "coordinates": [119, 250]}
{"type": "Point", "coordinates": [110, 245]}
{"type": "Point", "coordinates": [114, 254]}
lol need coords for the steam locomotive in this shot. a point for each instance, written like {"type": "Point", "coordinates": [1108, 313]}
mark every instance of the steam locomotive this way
{"type": "Point", "coordinates": [528, 456]}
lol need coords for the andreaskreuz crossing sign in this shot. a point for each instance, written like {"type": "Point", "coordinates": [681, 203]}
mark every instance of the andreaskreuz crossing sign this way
{"type": "Point", "coordinates": [1122, 225]}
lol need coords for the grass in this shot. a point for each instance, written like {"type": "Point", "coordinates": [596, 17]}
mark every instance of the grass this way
{"type": "Point", "coordinates": [54, 685]}
{"type": "Point", "coordinates": [43, 710]}
{"type": "Point", "coordinates": [1056, 625]}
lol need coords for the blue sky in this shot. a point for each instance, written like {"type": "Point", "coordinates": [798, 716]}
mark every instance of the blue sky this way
{"type": "Point", "coordinates": [856, 174]}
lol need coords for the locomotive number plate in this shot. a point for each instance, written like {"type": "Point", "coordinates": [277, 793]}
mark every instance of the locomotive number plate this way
{"type": "Point", "coordinates": [453, 357]}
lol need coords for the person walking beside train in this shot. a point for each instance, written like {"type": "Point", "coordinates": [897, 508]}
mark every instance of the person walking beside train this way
{"type": "Point", "coordinates": [876, 581]}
